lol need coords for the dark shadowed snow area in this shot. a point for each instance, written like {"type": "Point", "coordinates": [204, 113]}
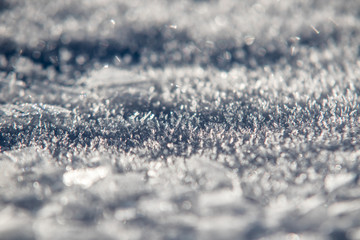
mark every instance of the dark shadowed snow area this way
{"type": "Point", "coordinates": [179, 119]}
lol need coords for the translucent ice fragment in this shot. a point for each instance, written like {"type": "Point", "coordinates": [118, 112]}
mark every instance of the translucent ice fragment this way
{"type": "Point", "coordinates": [112, 77]}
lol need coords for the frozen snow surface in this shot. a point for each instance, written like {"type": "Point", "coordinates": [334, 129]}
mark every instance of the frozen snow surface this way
{"type": "Point", "coordinates": [179, 119]}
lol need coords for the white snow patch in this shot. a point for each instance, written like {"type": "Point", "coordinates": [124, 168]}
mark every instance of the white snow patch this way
{"type": "Point", "coordinates": [335, 181]}
{"type": "Point", "coordinates": [344, 207]}
{"type": "Point", "coordinates": [85, 177]}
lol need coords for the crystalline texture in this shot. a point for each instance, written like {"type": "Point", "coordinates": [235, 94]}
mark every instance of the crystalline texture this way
{"type": "Point", "coordinates": [179, 119]}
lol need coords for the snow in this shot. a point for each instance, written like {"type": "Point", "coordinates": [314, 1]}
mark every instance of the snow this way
{"type": "Point", "coordinates": [84, 177]}
{"type": "Point", "coordinates": [179, 119]}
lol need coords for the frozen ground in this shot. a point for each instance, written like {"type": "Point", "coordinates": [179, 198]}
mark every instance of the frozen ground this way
{"type": "Point", "coordinates": [179, 119]}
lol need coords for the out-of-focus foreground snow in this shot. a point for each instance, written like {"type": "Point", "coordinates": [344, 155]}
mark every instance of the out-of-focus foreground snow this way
{"type": "Point", "coordinates": [179, 119]}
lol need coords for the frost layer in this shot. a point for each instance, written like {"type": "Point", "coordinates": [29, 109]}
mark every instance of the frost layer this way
{"type": "Point", "coordinates": [179, 120]}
